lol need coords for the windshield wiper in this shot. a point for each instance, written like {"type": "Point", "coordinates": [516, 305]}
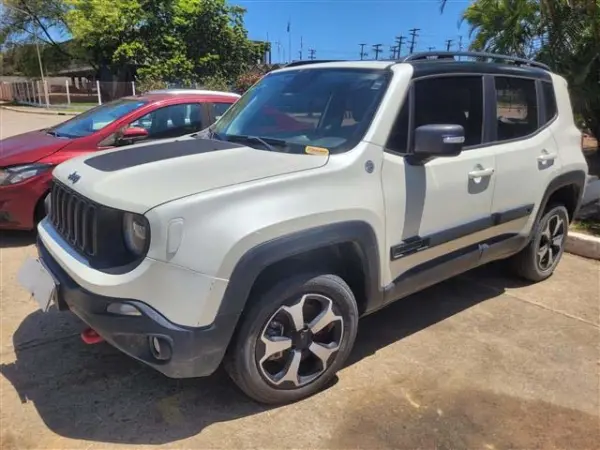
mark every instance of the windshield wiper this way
{"type": "Point", "coordinates": [265, 141]}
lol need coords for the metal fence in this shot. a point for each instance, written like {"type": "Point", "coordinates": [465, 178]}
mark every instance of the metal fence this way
{"type": "Point", "coordinates": [64, 94]}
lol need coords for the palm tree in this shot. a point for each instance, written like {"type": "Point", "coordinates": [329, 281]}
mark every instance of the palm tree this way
{"type": "Point", "coordinates": [565, 34]}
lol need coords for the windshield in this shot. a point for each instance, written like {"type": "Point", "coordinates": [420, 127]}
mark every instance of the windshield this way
{"type": "Point", "coordinates": [327, 108]}
{"type": "Point", "coordinates": [95, 119]}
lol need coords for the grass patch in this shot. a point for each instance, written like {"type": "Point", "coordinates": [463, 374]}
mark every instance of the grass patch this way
{"type": "Point", "coordinates": [591, 227]}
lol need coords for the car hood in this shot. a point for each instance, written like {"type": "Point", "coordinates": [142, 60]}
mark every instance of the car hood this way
{"type": "Point", "coordinates": [29, 147]}
{"type": "Point", "coordinates": [140, 177]}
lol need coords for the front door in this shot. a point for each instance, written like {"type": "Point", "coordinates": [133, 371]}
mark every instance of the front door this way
{"type": "Point", "coordinates": [439, 211]}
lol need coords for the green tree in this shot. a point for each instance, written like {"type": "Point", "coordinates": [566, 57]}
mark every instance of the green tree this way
{"type": "Point", "coordinates": [22, 20]}
{"type": "Point", "coordinates": [176, 41]}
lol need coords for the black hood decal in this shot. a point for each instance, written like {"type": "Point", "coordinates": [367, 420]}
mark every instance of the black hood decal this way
{"type": "Point", "coordinates": [131, 157]}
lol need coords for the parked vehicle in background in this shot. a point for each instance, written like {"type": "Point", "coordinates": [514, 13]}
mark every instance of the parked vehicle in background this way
{"type": "Point", "coordinates": [260, 242]}
{"type": "Point", "coordinates": [27, 160]}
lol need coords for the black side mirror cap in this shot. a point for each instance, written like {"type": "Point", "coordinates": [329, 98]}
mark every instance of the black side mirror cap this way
{"type": "Point", "coordinates": [438, 140]}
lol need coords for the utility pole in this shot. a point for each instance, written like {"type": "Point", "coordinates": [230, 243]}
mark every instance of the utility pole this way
{"type": "Point", "coordinates": [431, 49]}
{"type": "Point", "coordinates": [460, 46]}
{"type": "Point", "coordinates": [414, 35]}
{"type": "Point", "coordinates": [311, 52]}
{"type": "Point", "coordinates": [363, 55]}
{"type": "Point", "coordinates": [399, 42]}
{"type": "Point", "coordinates": [377, 50]}
{"type": "Point", "coordinates": [449, 44]}
{"type": "Point", "coordinates": [301, 48]}
{"type": "Point", "coordinates": [393, 50]}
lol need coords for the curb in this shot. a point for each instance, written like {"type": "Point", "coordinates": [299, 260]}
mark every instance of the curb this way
{"type": "Point", "coordinates": [41, 111]}
{"type": "Point", "coordinates": [583, 245]}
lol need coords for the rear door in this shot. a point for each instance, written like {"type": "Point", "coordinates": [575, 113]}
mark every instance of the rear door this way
{"type": "Point", "coordinates": [526, 153]}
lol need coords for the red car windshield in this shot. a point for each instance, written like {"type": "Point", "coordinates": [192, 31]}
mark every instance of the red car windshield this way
{"type": "Point", "coordinates": [97, 118]}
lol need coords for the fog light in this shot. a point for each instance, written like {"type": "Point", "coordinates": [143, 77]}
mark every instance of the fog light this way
{"type": "Point", "coordinates": [123, 309]}
{"type": "Point", "coordinates": [160, 348]}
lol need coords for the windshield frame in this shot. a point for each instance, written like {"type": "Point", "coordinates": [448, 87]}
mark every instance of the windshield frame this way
{"type": "Point", "coordinates": [141, 103]}
{"type": "Point", "coordinates": [217, 130]}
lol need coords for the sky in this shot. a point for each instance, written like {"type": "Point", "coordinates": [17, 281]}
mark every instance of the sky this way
{"type": "Point", "coordinates": [335, 28]}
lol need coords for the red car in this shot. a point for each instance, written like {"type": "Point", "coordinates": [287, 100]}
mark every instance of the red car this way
{"type": "Point", "coordinates": [27, 160]}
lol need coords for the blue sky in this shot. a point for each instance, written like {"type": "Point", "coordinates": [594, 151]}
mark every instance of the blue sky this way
{"type": "Point", "coordinates": [335, 27]}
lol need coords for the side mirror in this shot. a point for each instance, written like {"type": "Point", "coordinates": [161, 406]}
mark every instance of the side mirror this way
{"type": "Point", "coordinates": [133, 134]}
{"type": "Point", "coordinates": [438, 140]}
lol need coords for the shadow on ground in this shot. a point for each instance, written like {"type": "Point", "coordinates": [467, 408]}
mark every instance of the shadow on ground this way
{"type": "Point", "coordinates": [96, 393]}
{"type": "Point", "coordinates": [12, 238]}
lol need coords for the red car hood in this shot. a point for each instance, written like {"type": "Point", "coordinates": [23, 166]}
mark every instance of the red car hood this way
{"type": "Point", "coordinates": [29, 147]}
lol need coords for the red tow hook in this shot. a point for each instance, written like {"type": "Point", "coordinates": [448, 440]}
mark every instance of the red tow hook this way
{"type": "Point", "coordinates": [90, 336]}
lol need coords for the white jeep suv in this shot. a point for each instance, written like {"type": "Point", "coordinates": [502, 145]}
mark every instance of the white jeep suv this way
{"type": "Point", "coordinates": [329, 190]}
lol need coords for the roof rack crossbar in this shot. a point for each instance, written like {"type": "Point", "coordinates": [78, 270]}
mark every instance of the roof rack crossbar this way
{"type": "Point", "coordinates": [487, 56]}
{"type": "Point", "coordinates": [310, 61]}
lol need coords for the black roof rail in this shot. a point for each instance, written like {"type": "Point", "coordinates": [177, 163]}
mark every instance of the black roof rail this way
{"type": "Point", "coordinates": [481, 55]}
{"type": "Point", "coordinates": [311, 61]}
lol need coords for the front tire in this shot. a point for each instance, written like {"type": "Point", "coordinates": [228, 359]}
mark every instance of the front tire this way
{"type": "Point", "coordinates": [294, 338]}
{"type": "Point", "coordinates": [537, 261]}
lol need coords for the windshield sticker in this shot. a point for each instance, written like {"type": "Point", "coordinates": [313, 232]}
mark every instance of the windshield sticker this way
{"type": "Point", "coordinates": [316, 150]}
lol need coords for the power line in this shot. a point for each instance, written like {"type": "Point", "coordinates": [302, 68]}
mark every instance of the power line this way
{"type": "Point", "coordinates": [399, 42]}
{"type": "Point", "coordinates": [377, 50]}
{"type": "Point", "coordinates": [311, 53]}
{"type": "Point", "coordinates": [413, 34]}
{"type": "Point", "coordinates": [449, 44]}
{"type": "Point", "coordinates": [363, 55]}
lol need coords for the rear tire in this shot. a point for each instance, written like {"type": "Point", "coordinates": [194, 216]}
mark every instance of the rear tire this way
{"type": "Point", "coordinates": [537, 261]}
{"type": "Point", "coordinates": [293, 339]}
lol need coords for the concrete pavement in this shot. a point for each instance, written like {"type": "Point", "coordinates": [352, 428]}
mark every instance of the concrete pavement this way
{"type": "Point", "coordinates": [481, 361]}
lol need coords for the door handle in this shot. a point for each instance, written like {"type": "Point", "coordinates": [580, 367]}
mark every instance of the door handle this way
{"type": "Point", "coordinates": [545, 156]}
{"type": "Point", "coordinates": [479, 173]}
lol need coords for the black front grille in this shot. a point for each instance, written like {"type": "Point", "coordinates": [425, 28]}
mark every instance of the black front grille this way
{"type": "Point", "coordinates": [75, 218]}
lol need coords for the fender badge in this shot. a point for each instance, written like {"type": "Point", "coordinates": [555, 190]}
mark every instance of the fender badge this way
{"type": "Point", "coordinates": [74, 177]}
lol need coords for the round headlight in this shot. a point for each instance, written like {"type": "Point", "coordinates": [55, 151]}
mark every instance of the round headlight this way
{"type": "Point", "coordinates": [135, 232]}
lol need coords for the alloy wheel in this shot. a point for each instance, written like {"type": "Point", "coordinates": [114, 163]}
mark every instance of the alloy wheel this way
{"type": "Point", "coordinates": [299, 342]}
{"type": "Point", "coordinates": [551, 241]}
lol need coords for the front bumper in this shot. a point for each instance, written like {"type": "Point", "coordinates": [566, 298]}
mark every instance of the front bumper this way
{"type": "Point", "coordinates": [193, 352]}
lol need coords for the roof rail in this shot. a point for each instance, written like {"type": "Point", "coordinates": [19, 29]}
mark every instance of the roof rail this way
{"type": "Point", "coordinates": [310, 61]}
{"type": "Point", "coordinates": [482, 55]}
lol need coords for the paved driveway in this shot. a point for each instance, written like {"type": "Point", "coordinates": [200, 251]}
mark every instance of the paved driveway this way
{"type": "Point", "coordinates": [482, 361]}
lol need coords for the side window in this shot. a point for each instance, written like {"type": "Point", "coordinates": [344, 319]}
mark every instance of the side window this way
{"type": "Point", "coordinates": [218, 109]}
{"type": "Point", "coordinates": [171, 121]}
{"type": "Point", "coordinates": [516, 108]}
{"type": "Point", "coordinates": [453, 101]}
{"type": "Point", "coordinates": [549, 100]}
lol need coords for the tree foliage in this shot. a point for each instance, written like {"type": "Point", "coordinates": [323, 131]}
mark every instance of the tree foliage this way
{"type": "Point", "coordinates": [565, 34]}
{"type": "Point", "coordinates": [179, 41]}
{"type": "Point", "coordinates": [164, 41]}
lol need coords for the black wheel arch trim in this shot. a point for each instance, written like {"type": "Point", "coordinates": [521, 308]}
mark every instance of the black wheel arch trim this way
{"type": "Point", "coordinates": [574, 177]}
{"type": "Point", "coordinates": [257, 259]}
